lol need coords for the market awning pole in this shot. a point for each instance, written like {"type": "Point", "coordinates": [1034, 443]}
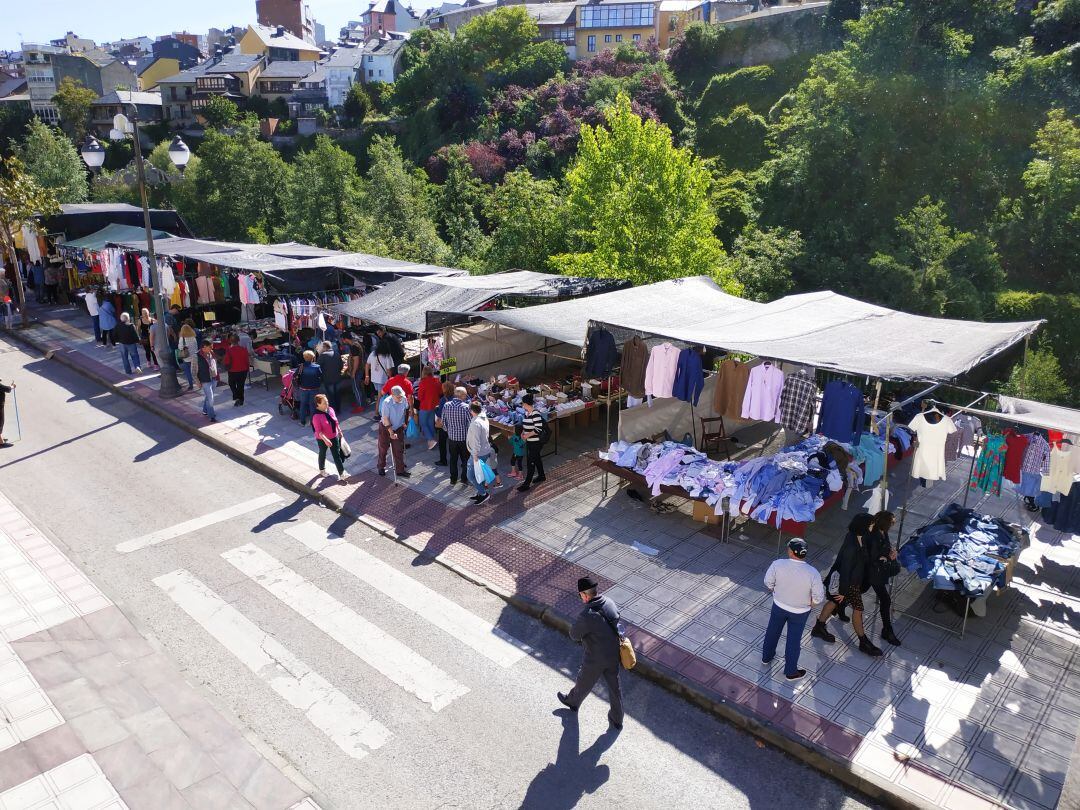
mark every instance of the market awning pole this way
{"type": "Point", "coordinates": [607, 425]}
{"type": "Point", "coordinates": [1023, 381]}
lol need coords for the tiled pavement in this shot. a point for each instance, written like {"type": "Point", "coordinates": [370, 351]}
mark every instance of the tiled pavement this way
{"type": "Point", "coordinates": [94, 717]}
{"type": "Point", "coordinates": [986, 720]}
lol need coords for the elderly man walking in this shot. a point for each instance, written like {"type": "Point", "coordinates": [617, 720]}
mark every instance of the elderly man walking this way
{"type": "Point", "coordinates": [393, 413]}
{"type": "Point", "coordinates": [455, 421]}
{"type": "Point", "coordinates": [796, 587]}
{"type": "Point", "coordinates": [597, 630]}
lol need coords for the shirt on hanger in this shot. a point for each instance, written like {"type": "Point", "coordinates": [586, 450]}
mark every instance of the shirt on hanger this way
{"type": "Point", "coordinates": [843, 412]}
{"type": "Point", "coordinates": [929, 461]}
{"type": "Point", "coordinates": [731, 380]}
{"type": "Point", "coordinates": [797, 402]}
{"type": "Point", "coordinates": [1015, 448]}
{"type": "Point", "coordinates": [763, 389]}
{"type": "Point", "coordinates": [660, 375]}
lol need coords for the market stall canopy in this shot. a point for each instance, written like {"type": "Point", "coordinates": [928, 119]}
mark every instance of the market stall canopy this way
{"type": "Point", "coordinates": [77, 220]}
{"type": "Point", "coordinates": [693, 300]}
{"type": "Point", "coordinates": [427, 305]}
{"type": "Point", "coordinates": [110, 234]}
{"type": "Point", "coordinates": [1034, 414]}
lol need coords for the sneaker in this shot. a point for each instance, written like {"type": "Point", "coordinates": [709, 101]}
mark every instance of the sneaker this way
{"type": "Point", "coordinates": [499, 484]}
{"type": "Point", "coordinates": [767, 661]}
{"type": "Point", "coordinates": [867, 646]}
{"type": "Point", "coordinates": [138, 370]}
{"type": "Point", "coordinates": [819, 631]}
{"type": "Point", "coordinates": [481, 498]}
{"type": "Point", "coordinates": [799, 673]}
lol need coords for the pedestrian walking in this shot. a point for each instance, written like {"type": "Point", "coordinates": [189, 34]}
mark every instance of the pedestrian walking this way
{"type": "Point", "coordinates": [4, 391]}
{"type": "Point", "coordinates": [455, 420]}
{"type": "Point", "coordinates": [37, 273]}
{"type": "Point", "coordinates": [207, 373]}
{"type": "Point", "coordinates": [107, 318]}
{"type": "Point", "coordinates": [428, 394]}
{"type": "Point", "coordinates": [93, 306]}
{"type": "Point", "coordinates": [440, 428]}
{"type": "Point", "coordinates": [128, 338]}
{"type": "Point", "coordinates": [357, 357]}
{"type": "Point", "coordinates": [327, 434]}
{"type": "Point", "coordinates": [309, 384]}
{"type": "Point", "coordinates": [597, 630]}
{"type": "Point", "coordinates": [533, 432]}
{"type": "Point", "coordinates": [188, 351]}
{"type": "Point", "coordinates": [478, 443]}
{"type": "Point", "coordinates": [393, 414]}
{"type": "Point", "coordinates": [5, 301]}
{"type": "Point", "coordinates": [331, 364]}
{"type": "Point", "coordinates": [146, 337]}
{"type": "Point", "coordinates": [237, 363]}
{"type": "Point", "coordinates": [517, 453]}
{"type": "Point", "coordinates": [852, 565]}
{"type": "Point", "coordinates": [883, 567]}
{"type": "Point", "coordinates": [376, 372]}
{"type": "Point", "coordinates": [796, 588]}
{"type": "Point", "coordinates": [52, 283]}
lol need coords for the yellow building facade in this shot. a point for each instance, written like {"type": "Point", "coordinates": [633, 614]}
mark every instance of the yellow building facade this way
{"type": "Point", "coordinates": [606, 25]}
{"type": "Point", "coordinates": [159, 69]}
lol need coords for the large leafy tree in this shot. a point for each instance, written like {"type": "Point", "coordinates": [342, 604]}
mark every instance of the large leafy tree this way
{"type": "Point", "coordinates": [52, 161]}
{"type": "Point", "coordinates": [22, 199]}
{"type": "Point", "coordinates": [73, 100]}
{"type": "Point", "coordinates": [239, 188]}
{"type": "Point", "coordinates": [324, 196]}
{"type": "Point", "coordinates": [638, 206]}
{"type": "Point", "coordinates": [219, 112]}
{"type": "Point", "coordinates": [460, 206]}
{"type": "Point", "coordinates": [528, 228]}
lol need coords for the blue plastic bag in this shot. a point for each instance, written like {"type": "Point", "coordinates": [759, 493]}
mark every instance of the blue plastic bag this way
{"type": "Point", "coordinates": [481, 468]}
{"type": "Point", "coordinates": [413, 430]}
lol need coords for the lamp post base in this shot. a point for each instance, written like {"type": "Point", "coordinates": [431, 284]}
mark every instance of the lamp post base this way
{"type": "Point", "coordinates": [169, 387]}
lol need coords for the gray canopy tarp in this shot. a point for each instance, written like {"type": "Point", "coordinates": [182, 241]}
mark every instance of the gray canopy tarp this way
{"type": "Point", "coordinates": [1034, 414]}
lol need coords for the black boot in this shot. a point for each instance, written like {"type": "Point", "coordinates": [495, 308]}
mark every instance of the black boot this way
{"type": "Point", "coordinates": [841, 615]}
{"type": "Point", "coordinates": [867, 646]}
{"type": "Point", "coordinates": [819, 631]}
{"type": "Point", "coordinates": [888, 635]}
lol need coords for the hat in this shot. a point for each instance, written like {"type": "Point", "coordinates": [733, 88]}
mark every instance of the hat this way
{"type": "Point", "coordinates": [403, 368]}
{"type": "Point", "coordinates": [797, 546]}
{"type": "Point", "coordinates": [586, 584]}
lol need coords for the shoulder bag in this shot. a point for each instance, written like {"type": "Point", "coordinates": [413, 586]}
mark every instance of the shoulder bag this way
{"type": "Point", "coordinates": [627, 656]}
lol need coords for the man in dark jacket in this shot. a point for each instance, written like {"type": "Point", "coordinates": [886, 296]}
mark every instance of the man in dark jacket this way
{"type": "Point", "coordinates": [596, 630]}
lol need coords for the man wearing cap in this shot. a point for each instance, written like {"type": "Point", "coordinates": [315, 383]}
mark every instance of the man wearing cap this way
{"type": "Point", "coordinates": [393, 411]}
{"type": "Point", "coordinates": [596, 629]}
{"type": "Point", "coordinates": [796, 587]}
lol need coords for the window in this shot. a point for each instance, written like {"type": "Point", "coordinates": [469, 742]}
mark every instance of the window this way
{"type": "Point", "coordinates": [637, 37]}
{"type": "Point", "coordinates": [618, 37]}
{"type": "Point", "coordinates": [380, 73]}
{"type": "Point", "coordinates": [370, 73]}
{"type": "Point", "coordinates": [622, 15]}
{"type": "Point", "coordinates": [672, 24]}
{"type": "Point", "coordinates": [607, 37]}
{"type": "Point", "coordinates": [592, 43]}
{"type": "Point", "coordinates": [370, 58]}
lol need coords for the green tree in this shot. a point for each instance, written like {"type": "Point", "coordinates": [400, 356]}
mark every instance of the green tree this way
{"type": "Point", "coordinates": [528, 228]}
{"type": "Point", "coordinates": [461, 205]}
{"type": "Point", "coordinates": [1039, 378]}
{"type": "Point", "coordinates": [73, 100]}
{"type": "Point", "coordinates": [357, 104]}
{"type": "Point", "coordinates": [238, 188]}
{"type": "Point", "coordinates": [52, 161]}
{"type": "Point", "coordinates": [399, 204]}
{"type": "Point", "coordinates": [762, 262]}
{"type": "Point", "coordinates": [1056, 25]}
{"type": "Point", "coordinates": [323, 198]}
{"type": "Point", "coordinates": [14, 118]}
{"type": "Point", "coordinates": [22, 199]}
{"type": "Point", "coordinates": [638, 207]}
{"type": "Point", "coordinates": [219, 112]}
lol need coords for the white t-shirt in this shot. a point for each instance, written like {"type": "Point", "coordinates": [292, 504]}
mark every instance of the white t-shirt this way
{"type": "Point", "coordinates": [381, 366]}
{"type": "Point", "coordinates": [796, 585]}
{"type": "Point", "coordinates": [91, 304]}
{"type": "Point", "coordinates": [929, 462]}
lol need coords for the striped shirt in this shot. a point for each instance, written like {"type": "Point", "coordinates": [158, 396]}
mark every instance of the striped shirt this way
{"type": "Point", "coordinates": [533, 422]}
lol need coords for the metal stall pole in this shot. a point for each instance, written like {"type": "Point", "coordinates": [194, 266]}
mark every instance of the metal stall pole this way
{"type": "Point", "coordinates": [971, 470]}
{"type": "Point", "coordinates": [607, 429]}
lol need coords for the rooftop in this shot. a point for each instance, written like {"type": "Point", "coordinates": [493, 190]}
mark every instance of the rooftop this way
{"type": "Point", "coordinates": [344, 57]}
{"type": "Point", "coordinates": [679, 5]}
{"type": "Point", "coordinates": [551, 13]}
{"type": "Point", "coordinates": [12, 87]}
{"type": "Point", "coordinates": [231, 63]}
{"type": "Point", "coordinates": [280, 38]}
{"type": "Point", "coordinates": [383, 47]}
{"type": "Point", "coordinates": [288, 70]}
{"type": "Point", "coordinates": [132, 96]}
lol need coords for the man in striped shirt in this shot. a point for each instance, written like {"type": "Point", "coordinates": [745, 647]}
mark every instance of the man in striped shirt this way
{"type": "Point", "coordinates": [532, 431]}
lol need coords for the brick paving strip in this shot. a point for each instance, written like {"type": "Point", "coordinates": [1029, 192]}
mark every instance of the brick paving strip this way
{"type": "Point", "coordinates": [538, 582]}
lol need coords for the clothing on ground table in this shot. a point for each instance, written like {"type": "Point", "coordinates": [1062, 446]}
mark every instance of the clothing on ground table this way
{"type": "Point", "coordinates": [763, 389]}
{"type": "Point", "coordinates": [635, 358]}
{"type": "Point", "coordinates": [797, 402]}
{"type": "Point", "coordinates": [1015, 447]}
{"type": "Point", "coordinates": [601, 356]}
{"type": "Point", "coordinates": [929, 461]}
{"type": "Point", "coordinates": [689, 377]}
{"type": "Point", "coordinates": [843, 413]}
{"type": "Point", "coordinates": [660, 373]}
{"type": "Point", "coordinates": [731, 381]}
{"type": "Point", "coordinates": [989, 466]}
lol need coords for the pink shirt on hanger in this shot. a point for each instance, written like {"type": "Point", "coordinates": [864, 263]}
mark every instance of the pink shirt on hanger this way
{"type": "Point", "coordinates": [762, 397]}
{"type": "Point", "coordinates": [660, 373]}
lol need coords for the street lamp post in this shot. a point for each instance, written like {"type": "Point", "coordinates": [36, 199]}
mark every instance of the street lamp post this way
{"type": "Point", "coordinates": [94, 155]}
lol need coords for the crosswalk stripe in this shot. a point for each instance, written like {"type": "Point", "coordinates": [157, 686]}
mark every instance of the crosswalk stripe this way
{"type": "Point", "coordinates": [470, 629]}
{"type": "Point", "coordinates": [347, 725]}
{"type": "Point", "coordinates": [195, 524]}
{"type": "Point", "coordinates": [381, 651]}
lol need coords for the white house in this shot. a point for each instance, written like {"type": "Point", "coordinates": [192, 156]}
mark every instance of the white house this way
{"type": "Point", "coordinates": [382, 59]}
{"type": "Point", "coordinates": [339, 72]}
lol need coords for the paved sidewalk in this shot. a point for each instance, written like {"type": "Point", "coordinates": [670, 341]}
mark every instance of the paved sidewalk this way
{"type": "Point", "coordinates": [983, 721]}
{"type": "Point", "coordinates": [95, 717]}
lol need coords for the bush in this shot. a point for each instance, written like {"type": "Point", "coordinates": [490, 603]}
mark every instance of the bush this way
{"type": "Point", "coordinates": [1061, 333]}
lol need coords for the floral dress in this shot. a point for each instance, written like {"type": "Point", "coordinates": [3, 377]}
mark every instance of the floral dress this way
{"type": "Point", "coordinates": [990, 466]}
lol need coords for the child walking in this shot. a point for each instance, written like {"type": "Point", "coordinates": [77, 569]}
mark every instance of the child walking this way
{"type": "Point", "coordinates": [517, 452]}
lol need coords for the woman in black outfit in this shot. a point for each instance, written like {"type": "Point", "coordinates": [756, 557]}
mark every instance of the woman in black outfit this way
{"type": "Point", "coordinates": [853, 565]}
{"type": "Point", "coordinates": [880, 552]}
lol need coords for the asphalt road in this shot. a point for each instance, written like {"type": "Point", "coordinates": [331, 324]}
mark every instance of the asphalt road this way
{"type": "Point", "coordinates": [94, 471]}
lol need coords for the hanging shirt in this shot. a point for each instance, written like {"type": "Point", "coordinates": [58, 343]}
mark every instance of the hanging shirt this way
{"type": "Point", "coordinates": [763, 389]}
{"type": "Point", "coordinates": [797, 402]}
{"type": "Point", "coordinates": [1015, 448]}
{"type": "Point", "coordinates": [600, 354]}
{"type": "Point", "coordinates": [689, 377]}
{"type": "Point", "coordinates": [843, 413]}
{"type": "Point", "coordinates": [1062, 469]}
{"type": "Point", "coordinates": [1037, 456]}
{"type": "Point", "coordinates": [989, 467]}
{"type": "Point", "coordinates": [731, 380]}
{"type": "Point", "coordinates": [660, 375]}
{"type": "Point", "coordinates": [929, 462]}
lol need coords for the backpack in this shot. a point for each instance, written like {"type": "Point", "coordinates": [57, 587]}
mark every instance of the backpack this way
{"type": "Point", "coordinates": [545, 432]}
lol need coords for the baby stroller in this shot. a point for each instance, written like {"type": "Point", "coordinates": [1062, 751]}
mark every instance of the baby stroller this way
{"type": "Point", "coordinates": [287, 398]}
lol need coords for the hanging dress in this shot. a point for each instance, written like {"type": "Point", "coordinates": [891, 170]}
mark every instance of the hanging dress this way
{"type": "Point", "coordinates": [990, 466]}
{"type": "Point", "coordinates": [929, 462]}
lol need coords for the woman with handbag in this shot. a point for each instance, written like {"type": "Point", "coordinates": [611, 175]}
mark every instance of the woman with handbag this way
{"type": "Point", "coordinates": [327, 434]}
{"type": "Point", "coordinates": [187, 352]}
{"type": "Point", "coordinates": [853, 564]}
{"type": "Point", "coordinates": [883, 567]}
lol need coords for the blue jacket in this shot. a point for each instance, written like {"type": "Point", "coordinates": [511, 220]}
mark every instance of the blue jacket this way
{"type": "Point", "coordinates": [601, 354]}
{"type": "Point", "coordinates": [311, 376]}
{"type": "Point", "coordinates": [107, 315]}
{"type": "Point", "coordinates": [843, 413]}
{"type": "Point", "coordinates": [689, 378]}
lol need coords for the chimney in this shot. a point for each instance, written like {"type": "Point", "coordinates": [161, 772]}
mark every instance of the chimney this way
{"type": "Point", "coordinates": [280, 31]}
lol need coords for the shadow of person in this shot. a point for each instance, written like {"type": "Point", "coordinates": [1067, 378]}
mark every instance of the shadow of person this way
{"type": "Point", "coordinates": [562, 783]}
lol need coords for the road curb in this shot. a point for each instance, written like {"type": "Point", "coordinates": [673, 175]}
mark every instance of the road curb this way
{"type": "Point", "coordinates": [779, 737]}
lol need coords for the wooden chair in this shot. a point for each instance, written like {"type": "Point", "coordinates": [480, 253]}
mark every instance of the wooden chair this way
{"type": "Point", "coordinates": [713, 438]}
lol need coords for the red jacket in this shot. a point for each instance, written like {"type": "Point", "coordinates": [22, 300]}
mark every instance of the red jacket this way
{"type": "Point", "coordinates": [403, 381]}
{"type": "Point", "coordinates": [429, 393]}
{"type": "Point", "coordinates": [236, 359]}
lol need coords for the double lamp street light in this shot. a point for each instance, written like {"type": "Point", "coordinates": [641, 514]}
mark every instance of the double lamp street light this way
{"type": "Point", "coordinates": [93, 154]}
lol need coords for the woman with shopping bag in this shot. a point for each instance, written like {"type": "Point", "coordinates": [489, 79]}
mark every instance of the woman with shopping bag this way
{"type": "Point", "coordinates": [483, 466]}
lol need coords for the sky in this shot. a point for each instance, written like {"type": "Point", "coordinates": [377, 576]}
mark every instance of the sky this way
{"type": "Point", "coordinates": [41, 20]}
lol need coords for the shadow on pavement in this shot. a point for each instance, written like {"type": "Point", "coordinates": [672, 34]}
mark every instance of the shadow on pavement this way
{"type": "Point", "coordinates": [573, 774]}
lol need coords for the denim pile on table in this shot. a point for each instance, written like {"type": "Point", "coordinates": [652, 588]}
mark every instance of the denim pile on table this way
{"type": "Point", "coordinates": [792, 484]}
{"type": "Point", "coordinates": [958, 551]}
